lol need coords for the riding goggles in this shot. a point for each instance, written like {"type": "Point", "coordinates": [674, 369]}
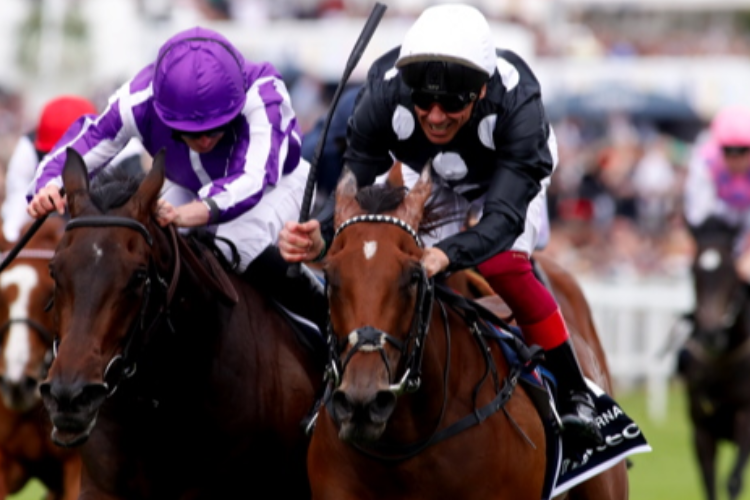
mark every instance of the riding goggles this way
{"type": "Point", "coordinates": [735, 150]}
{"type": "Point", "coordinates": [451, 103]}
{"type": "Point", "coordinates": [214, 132]}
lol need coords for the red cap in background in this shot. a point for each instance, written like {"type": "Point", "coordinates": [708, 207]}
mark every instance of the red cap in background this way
{"type": "Point", "coordinates": [57, 116]}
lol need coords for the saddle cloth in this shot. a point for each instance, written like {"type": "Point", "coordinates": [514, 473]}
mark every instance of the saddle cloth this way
{"type": "Point", "coordinates": [568, 465]}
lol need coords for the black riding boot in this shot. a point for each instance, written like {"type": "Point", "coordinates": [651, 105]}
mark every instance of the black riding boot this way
{"type": "Point", "coordinates": [303, 295]}
{"type": "Point", "coordinates": [576, 407]}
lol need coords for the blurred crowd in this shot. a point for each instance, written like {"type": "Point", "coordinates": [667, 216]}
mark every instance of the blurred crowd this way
{"type": "Point", "coordinates": [615, 200]}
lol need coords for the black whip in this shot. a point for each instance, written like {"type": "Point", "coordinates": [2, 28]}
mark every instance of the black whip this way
{"type": "Point", "coordinates": [359, 48]}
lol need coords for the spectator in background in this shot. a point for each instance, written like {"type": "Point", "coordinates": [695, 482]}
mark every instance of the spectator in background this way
{"type": "Point", "coordinates": [655, 184]}
{"type": "Point", "coordinates": [56, 117]}
{"type": "Point", "coordinates": [331, 160]}
{"type": "Point", "coordinates": [718, 182]}
{"type": "Point", "coordinates": [60, 115]}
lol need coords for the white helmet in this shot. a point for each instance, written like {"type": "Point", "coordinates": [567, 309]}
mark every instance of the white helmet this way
{"type": "Point", "coordinates": [451, 33]}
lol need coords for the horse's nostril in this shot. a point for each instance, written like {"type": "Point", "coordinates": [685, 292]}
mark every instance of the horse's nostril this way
{"type": "Point", "coordinates": [91, 395]}
{"type": "Point", "coordinates": [44, 389]}
{"type": "Point", "coordinates": [382, 406]}
{"type": "Point", "coordinates": [342, 407]}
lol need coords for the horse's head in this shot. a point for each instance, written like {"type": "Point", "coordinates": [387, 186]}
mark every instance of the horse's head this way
{"type": "Point", "coordinates": [720, 294]}
{"type": "Point", "coordinates": [26, 328]}
{"type": "Point", "coordinates": [104, 270]}
{"type": "Point", "coordinates": [377, 288]}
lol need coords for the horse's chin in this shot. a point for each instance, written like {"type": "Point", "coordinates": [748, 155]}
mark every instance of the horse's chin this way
{"type": "Point", "coordinates": [67, 435]}
{"type": "Point", "coordinates": [361, 432]}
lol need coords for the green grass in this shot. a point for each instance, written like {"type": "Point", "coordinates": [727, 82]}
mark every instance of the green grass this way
{"type": "Point", "coordinates": [670, 472]}
{"type": "Point", "coordinates": [34, 490]}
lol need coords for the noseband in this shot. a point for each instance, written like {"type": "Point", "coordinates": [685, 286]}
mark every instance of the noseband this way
{"type": "Point", "coordinates": [370, 339]}
{"type": "Point", "coordinates": [122, 366]}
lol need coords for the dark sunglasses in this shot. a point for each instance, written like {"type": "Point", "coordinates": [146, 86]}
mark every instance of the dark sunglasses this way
{"type": "Point", "coordinates": [451, 103]}
{"type": "Point", "coordinates": [214, 132]}
{"type": "Point", "coordinates": [735, 150]}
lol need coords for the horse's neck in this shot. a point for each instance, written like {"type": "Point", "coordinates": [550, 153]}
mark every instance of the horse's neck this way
{"type": "Point", "coordinates": [439, 402]}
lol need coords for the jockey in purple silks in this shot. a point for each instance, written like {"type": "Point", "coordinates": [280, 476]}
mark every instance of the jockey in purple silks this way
{"type": "Point", "coordinates": [232, 146]}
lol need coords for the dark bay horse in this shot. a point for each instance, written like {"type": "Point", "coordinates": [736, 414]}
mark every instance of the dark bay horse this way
{"type": "Point", "coordinates": [715, 362]}
{"type": "Point", "coordinates": [407, 368]}
{"type": "Point", "coordinates": [176, 384]}
{"type": "Point", "coordinates": [26, 343]}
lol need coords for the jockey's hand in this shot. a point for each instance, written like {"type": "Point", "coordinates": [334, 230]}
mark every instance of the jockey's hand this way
{"type": "Point", "coordinates": [191, 214]}
{"type": "Point", "coordinates": [47, 200]}
{"type": "Point", "coordinates": [434, 261]}
{"type": "Point", "coordinates": [301, 242]}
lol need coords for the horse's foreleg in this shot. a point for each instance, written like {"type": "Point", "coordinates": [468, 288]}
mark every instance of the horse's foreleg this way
{"type": "Point", "coordinates": [705, 447]}
{"type": "Point", "coordinates": [742, 438]}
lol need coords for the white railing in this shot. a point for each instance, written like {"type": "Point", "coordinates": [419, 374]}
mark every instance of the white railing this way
{"type": "Point", "coordinates": [635, 318]}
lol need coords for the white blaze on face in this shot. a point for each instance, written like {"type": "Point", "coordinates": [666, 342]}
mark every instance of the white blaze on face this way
{"type": "Point", "coordinates": [710, 260]}
{"type": "Point", "coordinates": [18, 349]}
{"type": "Point", "coordinates": [370, 248]}
{"type": "Point", "coordinates": [98, 252]}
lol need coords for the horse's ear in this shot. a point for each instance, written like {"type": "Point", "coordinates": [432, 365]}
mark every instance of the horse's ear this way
{"type": "Point", "coordinates": [75, 178]}
{"type": "Point", "coordinates": [395, 176]}
{"type": "Point", "coordinates": [346, 190]}
{"type": "Point", "coordinates": [144, 200]}
{"type": "Point", "coordinates": [415, 200]}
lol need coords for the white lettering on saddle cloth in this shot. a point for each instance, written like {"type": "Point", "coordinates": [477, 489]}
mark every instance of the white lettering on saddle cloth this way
{"type": "Point", "coordinates": [632, 431]}
{"type": "Point", "coordinates": [609, 416]}
{"type": "Point", "coordinates": [622, 438]}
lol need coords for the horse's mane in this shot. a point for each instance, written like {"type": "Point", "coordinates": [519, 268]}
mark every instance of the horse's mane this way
{"type": "Point", "coordinates": [383, 198]}
{"type": "Point", "coordinates": [113, 187]}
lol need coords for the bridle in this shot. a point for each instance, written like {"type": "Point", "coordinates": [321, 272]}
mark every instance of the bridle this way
{"type": "Point", "coordinates": [370, 339]}
{"type": "Point", "coordinates": [122, 366]}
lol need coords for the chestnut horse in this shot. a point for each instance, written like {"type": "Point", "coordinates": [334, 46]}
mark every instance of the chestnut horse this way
{"type": "Point", "coordinates": [407, 371]}
{"type": "Point", "coordinates": [26, 343]}
{"type": "Point", "coordinates": [176, 384]}
{"type": "Point", "coordinates": [716, 361]}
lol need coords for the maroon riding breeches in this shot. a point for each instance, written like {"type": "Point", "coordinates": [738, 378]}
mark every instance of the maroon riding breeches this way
{"type": "Point", "coordinates": [510, 274]}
